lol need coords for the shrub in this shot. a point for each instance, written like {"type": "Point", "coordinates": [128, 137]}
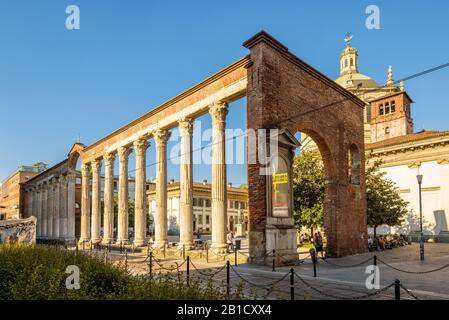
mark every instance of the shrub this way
{"type": "Point", "coordinates": [37, 272]}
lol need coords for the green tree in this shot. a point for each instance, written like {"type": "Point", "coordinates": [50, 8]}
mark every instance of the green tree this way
{"type": "Point", "coordinates": [308, 189]}
{"type": "Point", "coordinates": [384, 205]}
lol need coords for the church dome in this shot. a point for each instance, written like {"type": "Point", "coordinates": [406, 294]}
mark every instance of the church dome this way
{"type": "Point", "coordinates": [359, 80]}
{"type": "Point", "coordinates": [349, 69]}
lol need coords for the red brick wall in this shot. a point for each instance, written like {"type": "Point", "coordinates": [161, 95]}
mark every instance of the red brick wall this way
{"type": "Point", "coordinates": [280, 88]}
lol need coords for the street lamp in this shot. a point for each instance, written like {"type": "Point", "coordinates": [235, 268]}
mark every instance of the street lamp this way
{"type": "Point", "coordinates": [421, 237]}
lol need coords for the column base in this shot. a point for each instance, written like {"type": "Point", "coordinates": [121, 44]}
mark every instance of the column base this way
{"type": "Point", "coordinates": [139, 243]}
{"type": "Point", "coordinates": [219, 248]}
{"type": "Point", "coordinates": [186, 245]}
{"type": "Point", "coordinates": [107, 241]}
{"type": "Point", "coordinates": [159, 244]}
{"type": "Point", "coordinates": [121, 241]}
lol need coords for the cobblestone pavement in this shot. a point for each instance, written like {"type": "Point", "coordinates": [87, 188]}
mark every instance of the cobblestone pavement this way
{"type": "Point", "coordinates": [336, 279]}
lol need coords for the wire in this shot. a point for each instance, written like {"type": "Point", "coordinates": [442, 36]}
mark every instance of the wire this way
{"type": "Point", "coordinates": [416, 75]}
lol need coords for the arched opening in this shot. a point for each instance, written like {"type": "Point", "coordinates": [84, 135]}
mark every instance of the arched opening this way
{"type": "Point", "coordinates": [314, 190]}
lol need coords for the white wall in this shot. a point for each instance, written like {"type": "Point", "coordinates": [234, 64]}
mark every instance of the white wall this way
{"type": "Point", "coordinates": [435, 197]}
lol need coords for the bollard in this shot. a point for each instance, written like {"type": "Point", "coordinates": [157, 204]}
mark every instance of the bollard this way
{"type": "Point", "coordinates": [183, 252]}
{"type": "Point", "coordinates": [121, 247]}
{"type": "Point", "coordinates": [274, 260]}
{"type": "Point", "coordinates": [126, 259]}
{"type": "Point", "coordinates": [163, 248]}
{"type": "Point", "coordinates": [375, 260]}
{"type": "Point", "coordinates": [76, 247]}
{"type": "Point", "coordinates": [83, 245]}
{"type": "Point", "coordinates": [91, 246]}
{"type": "Point", "coordinates": [292, 284]}
{"type": "Point", "coordinates": [397, 289]}
{"type": "Point", "coordinates": [188, 271]}
{"type": "Point", "coordinates": [228, 267]}
{"type": "Point", "coordinates": [105, 256]}
{"type": "Point", "coordinates": [207, 253]}
{"type": "Point", "coordinates": [313, 255]}
{"type": "Point", "coordinates": [151, 265]}
{"type": "Point", "coordinates": [235, 257]}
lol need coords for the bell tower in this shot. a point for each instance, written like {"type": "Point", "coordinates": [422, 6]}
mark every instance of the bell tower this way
{"type": "Point", "coordinates": [391, 116]}
{"type": "Point", "coordinates": [349, 58]}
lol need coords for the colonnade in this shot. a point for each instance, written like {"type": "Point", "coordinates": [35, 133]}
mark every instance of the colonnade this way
{"type": "Point", "coordinates": [52, 202]}
{"type": "Point", "coordinates": [91, 171]}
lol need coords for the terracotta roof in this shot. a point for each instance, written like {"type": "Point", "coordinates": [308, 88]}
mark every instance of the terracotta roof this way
{"type": "Point", "coordinates": [408, 138]}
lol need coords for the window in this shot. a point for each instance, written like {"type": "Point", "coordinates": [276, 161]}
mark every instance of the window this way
{"type": "Point", "coordinates": [195, 202]}
{"type": "Point", "coordinates": [381, 109]}
{"type": "Point", "coordinates": [346, 63]}
{"type": "Point", "coordinates": [387, 130]}
{"type": "Point", "coordinates": [354, 164]}
{"type": "Point", "coordinates": [387, 107]}
{"type": "Point", "coordinates": [200, 202]}
{"type": "Point", "coordinates": [115, 185]}
{"type": "Point", "coordinates": [200, 219]}
{"type": "Point", "coordinates": [208, 203]}
{"type": "Point", "coordinates": [352, 62]}
{"type": "Point", "coordinates": [393, 106]}
{"type": "Point", "coordinates": [207, 219]}
{"type": "Point", "coordinates": [231, 204]}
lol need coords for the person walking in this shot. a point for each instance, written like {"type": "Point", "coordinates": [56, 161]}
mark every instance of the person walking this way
{"type": "Point", "coordinates": [318, 243]}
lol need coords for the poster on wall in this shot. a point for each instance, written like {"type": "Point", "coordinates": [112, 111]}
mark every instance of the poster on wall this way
{"type": "Point", "coordinates": [18, 231]}
{"type": "Point", "coordinates": [280, 195]}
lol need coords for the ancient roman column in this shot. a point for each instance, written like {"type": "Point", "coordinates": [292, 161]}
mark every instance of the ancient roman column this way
{"type": "Point", "coordinates": [122, 223]}
{"type": "Point", "coordinates": [186, 184]}
{"type": "Point", "coordinates": [85, 202]}
{"type": "Point", "coordinates": [29, 202]}
{"type": "Point", "coordinates": [140, 222]}
{"type": "Point", "coordinates": [160, 221]}
{"type": "Point", "coordinates": [50, 198]}
{"type": "Point", "coordinates": [63, 221]}
{"type": "Point", "coordinates": [108, 216]}
{"type": "Point", "coordinates": [37, 208]}
{"type": "Point", "coordinates": [218, 112]}
{"type": "Point", "coordinates": [43, 210]}
{"type": "Point", "coordinates": [71, 191]}
{"type": "Point", "coordinates": [96, 200]}
{"type": "Point", "coordinates": [56, 207]}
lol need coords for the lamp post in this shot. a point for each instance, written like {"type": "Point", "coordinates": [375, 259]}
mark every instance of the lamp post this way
{"type": "Point", "coordinates": [421, 236]}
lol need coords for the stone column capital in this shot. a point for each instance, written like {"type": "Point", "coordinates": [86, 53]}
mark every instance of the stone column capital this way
{"type": "Point", "coordinates": [123, 153]}
{"type": "Point", "coordinates": [109, 158]}
{"type": "Point", "coordinates": [161, 136]}
{"type": "Point", "coordinates": [85, 167]}
{"type": "Point", "coordinates": [140, 146]}
{"type": "Point", "coordinates": [96, 165]}
{"type": "Point", "coordinates": [218, 111]}
{"type": "Point", "coordinates": [185, 126]}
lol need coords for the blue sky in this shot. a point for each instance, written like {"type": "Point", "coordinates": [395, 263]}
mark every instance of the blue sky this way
{"type": "Point", "coordinates": [129, 57]}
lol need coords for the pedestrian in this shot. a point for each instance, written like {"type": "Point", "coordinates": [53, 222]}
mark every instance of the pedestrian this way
{"type": "Point", "coordinates": [318, 243]}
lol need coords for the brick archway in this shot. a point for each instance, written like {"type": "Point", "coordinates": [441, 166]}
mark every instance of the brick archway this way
{"type": "Point", "coordinates": [286, 93]}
